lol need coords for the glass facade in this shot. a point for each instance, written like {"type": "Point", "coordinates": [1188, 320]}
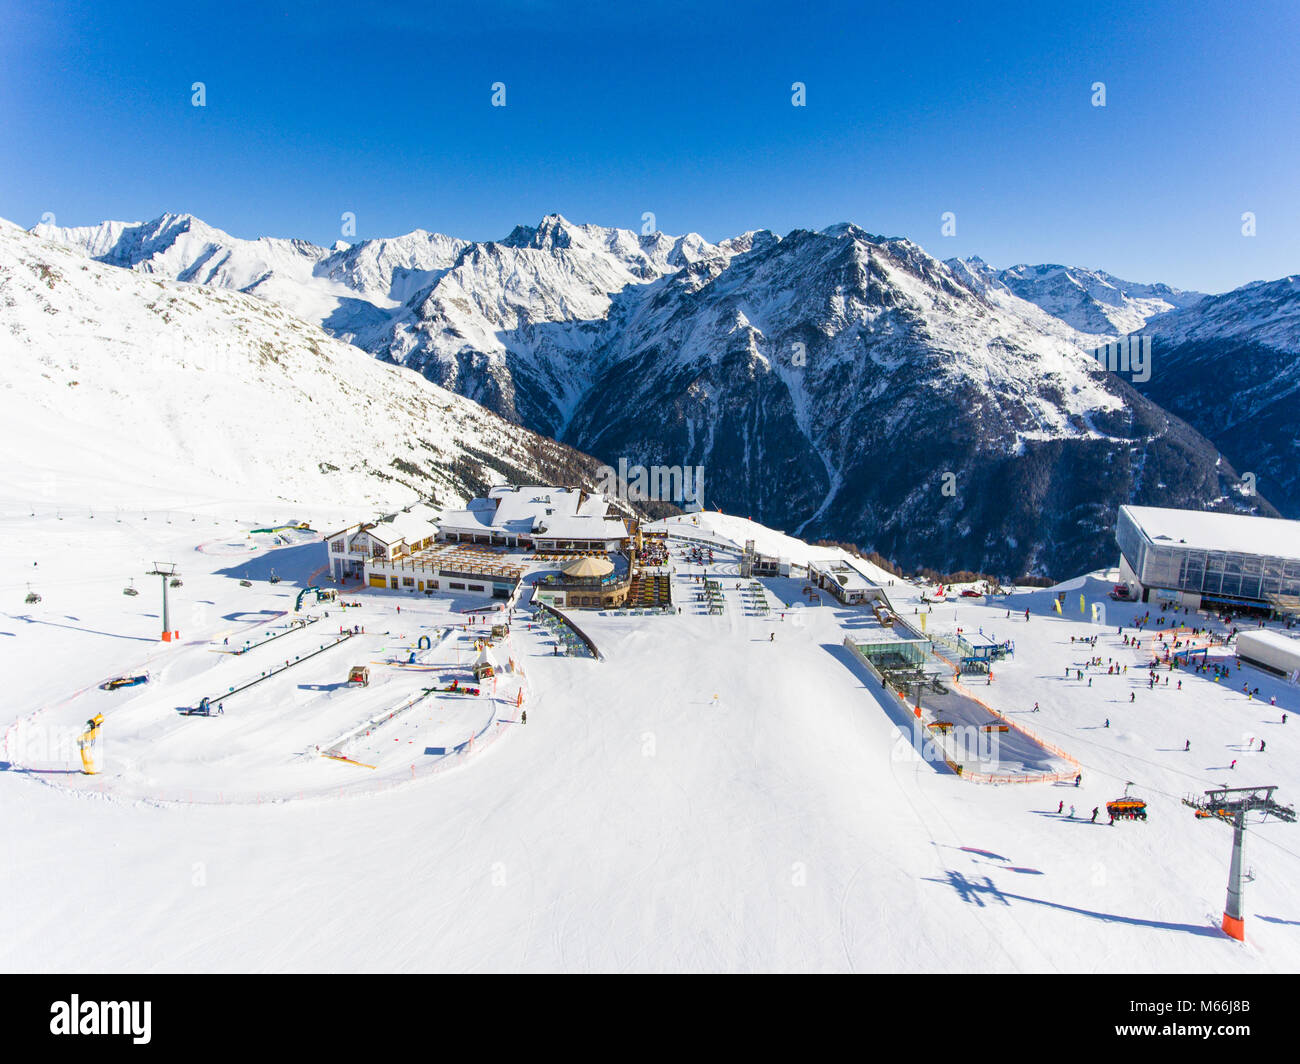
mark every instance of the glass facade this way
{"type": "Point", "coordinates": [1223, 574]}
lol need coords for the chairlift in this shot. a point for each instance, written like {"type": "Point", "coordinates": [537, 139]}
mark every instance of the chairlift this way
{"type": "Point", "coordinates": [245, 583]}
{"type": "Point", "coordinates": [274, 579]}
{"type": "Point", "coordinates": [176, 582]}
{"type": "Point", "coordinates": [130, 590]}
{"type": "Point", "coordinates": [32, 597]}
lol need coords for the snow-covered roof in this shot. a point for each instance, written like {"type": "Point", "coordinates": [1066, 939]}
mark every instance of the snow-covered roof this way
{"type": "Point", "coordinates": [844, 574]}
{"type": "Point", "coordinates": [581, 527]}
{"type": "Point", "coordinates": [1204, 530]}
{"type": "Point", "coordinates": [409, 527]}
{"type": "Point", "coordinates": [559, 513]}
{"type": "Point", "coordinates": [1267, 637]}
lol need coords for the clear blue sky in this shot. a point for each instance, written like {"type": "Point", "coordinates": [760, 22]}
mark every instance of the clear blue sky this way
{"type": "Point", "coordinates": [682, 109]}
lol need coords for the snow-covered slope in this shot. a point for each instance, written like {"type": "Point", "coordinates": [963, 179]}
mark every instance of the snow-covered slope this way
{"type": "Point", "coordinates": [120, 381]}
{"type": "Point", "coordinates": [722, 793]}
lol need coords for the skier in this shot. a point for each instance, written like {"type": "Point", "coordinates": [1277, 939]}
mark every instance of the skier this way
{"type": "Point", "coordinates": [1094, 814]}
{"type": "Point", "coordinates": [1261, 746]}
{"type": "Point", "coordinates": [523, 716]}
{"type": "Point", "coordinates": [771, 637]}
{"type": "Point", "coordinates": [1077, 780]}
{"type": "Point", "coordinates": [1187, 745]}
{"type": "Point", "coordinates": [1060, 807]}
{"type": "Point", "coordinates": [1132, 696]}
{"type": "Point", "coordinates": [1107, 722]}
{"type": "Point", "coordinates": [1234, 763]}
{"type": "Point", "coordinates": [1035, 709]}
{"type": "Point", "coordinates": [1071, 812]}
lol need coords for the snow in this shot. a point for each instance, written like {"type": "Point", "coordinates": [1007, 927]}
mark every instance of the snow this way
{"type": "Point", "coordinates": [703, 799]}
{"type": "Point", "coordinates": [720, 793]}
{"type": "Point", "coordinates": [143, 392]}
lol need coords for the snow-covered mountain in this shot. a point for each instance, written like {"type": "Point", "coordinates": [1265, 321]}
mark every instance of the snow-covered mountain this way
{"type": "Point", "coordinates": [1230, 365]}
{"type": "Point", "coordinates": [1092, 301]}
{"type": "Point", "coordinates": [117, 381]}
{"type": "Point", "coordinates": [846, 385]}
{"type": "Point", "coordinates": [352, 290]}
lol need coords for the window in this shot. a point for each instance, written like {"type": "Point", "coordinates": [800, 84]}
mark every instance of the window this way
{"type": "Point", "coordinates": [455, 586]}
{"type": "Point", "coordinates": [336, 545]}
{"type": "Point", "coordinates": [408, 581]}
{"type": "Point", "coordinates": [476, 587]}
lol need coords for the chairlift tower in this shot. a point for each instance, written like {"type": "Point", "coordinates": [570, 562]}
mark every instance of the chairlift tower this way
{"type": "Point", "coordinates": [1233, 804]}
{"type": "Point", "coordinates": [166, 570]}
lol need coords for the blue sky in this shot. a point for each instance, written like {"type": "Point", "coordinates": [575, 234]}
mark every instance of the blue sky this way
{"type": "Point", "coordinates": [680, 109]}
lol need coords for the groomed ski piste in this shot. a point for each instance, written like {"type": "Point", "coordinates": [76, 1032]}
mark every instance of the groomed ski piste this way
{"type": "Point", "coordinates": [722, 792]}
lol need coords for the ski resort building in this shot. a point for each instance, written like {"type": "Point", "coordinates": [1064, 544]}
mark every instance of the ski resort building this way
{"type": "Point", "coordinates": [402, 553]}
{"type": "Point", "coordinates": [1216, 560]}
{"type": "Point", "coordinates": [849, 585]}
{"type": "Point", "coordinates": [538, 518]}
{"type": "Point", "coordinates": [353, 548]}
{"type": "Point", "coordinates": [1274, 651]}
{"type": "Point", "coordinates": [587, 583]}
{"type": "Point", "coordinates": [754, 563]}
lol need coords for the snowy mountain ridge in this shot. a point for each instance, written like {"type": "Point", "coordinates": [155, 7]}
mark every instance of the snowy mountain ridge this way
{"type": "Point", "coordinates": [122, 382]}
{"type": "Point", "coordinates": [792, 367]}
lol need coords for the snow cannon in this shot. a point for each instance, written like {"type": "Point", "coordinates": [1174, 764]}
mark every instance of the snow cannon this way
{"type": "Point", "coordinates": [87, 743]}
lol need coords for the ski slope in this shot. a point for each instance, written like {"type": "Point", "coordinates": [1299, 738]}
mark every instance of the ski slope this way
{"type": "Point", "coordinates": [721, 793]}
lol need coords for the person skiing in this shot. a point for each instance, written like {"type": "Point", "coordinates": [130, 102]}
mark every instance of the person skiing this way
{"type": "Point", "coordinates": [1234, 763]}
{"type": "Point", "coordinates": [1077, 780]}
{"type": "Point", "coordinates": [1107, 722]}
{"type": "Point", "coordinates": [523, 716]}
{"type": "Point", "coordinates": [1035, 709]}
{"type": "Point", "coordinates": [1187, 745]}
{"type": "Point", "coordinates": [1060, 807]}
{"type": "Point", "coordinates": [771, 637]}
{"type": "Point", "coordinates": [1261, 746]}
{"type": "Point", "coordinates": [1132, 696]}
{"type": "Point", "coordinates": [1094, 814]}
{"type": "Point", "coordinates": [1071, 812]}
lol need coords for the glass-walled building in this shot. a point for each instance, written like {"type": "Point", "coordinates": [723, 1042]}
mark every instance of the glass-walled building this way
{"type": "Point", "coordinates": [1221, 560]}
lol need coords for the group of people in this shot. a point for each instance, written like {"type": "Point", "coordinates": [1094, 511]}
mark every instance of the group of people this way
{"type": "Point", "coordinates": [1096, 810]}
